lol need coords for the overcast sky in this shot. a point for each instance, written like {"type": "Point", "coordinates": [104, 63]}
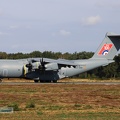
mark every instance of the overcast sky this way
{"type": "Point", "coordinates": [56, 25]}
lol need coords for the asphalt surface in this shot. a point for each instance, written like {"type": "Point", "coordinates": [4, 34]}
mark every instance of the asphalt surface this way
{"type": "Point", "coordinates": [82, 83]}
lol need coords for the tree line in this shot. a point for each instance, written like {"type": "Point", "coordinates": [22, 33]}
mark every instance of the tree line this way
{"type": "Point", "coordinates": [112, 71]}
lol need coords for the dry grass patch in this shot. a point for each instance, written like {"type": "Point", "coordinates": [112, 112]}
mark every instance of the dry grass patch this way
{"type": "Point", "coordinates": [60, 101]}
{"type": "Point", "coordinates": [63, 80]}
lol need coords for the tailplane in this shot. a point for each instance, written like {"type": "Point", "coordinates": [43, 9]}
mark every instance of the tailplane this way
{"type": "Point", "coordinates": [109, 47]}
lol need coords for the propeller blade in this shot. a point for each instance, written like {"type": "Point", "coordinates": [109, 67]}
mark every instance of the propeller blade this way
{"type": "Point", "coordinates": [42, 66]}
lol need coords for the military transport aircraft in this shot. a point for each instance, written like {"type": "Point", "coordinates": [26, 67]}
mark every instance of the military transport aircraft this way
{"type": "Point", "coordinates": [50, 70]}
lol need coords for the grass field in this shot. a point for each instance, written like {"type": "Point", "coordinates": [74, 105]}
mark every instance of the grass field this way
{"type": "Point", "coordinates": [61, 102]}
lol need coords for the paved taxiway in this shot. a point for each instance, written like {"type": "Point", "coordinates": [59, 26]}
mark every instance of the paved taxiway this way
{"type": "Point", "coordinates": [82, 83]}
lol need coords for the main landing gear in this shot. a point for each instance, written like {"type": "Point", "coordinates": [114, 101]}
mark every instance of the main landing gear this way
{"type": "Point", "coordinates": [36, 81]}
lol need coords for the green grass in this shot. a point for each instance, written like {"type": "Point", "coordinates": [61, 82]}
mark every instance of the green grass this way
{"type": "Point", "coordinates": [87, 116]}
{"type": "Point", "coordinates": [15, 106]}
{"type": "Point", "coordinates": [40, 115]}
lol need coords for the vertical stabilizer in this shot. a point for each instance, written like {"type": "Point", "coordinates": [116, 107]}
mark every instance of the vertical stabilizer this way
{"type": "Point", "coordinates": [109, 47]}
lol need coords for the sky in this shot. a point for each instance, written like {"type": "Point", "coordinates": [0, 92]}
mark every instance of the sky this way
{"type": "Point", "coordinates": [56, 25]}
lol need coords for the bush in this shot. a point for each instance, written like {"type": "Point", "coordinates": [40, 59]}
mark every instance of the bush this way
{"type": "Point", "coordinates": [15, 106]}
{"type": "Point", "coordinates": [30, 105]}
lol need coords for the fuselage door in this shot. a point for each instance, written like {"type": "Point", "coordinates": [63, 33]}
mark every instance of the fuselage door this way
{"type": "Point", "coordinates": [5, 72]}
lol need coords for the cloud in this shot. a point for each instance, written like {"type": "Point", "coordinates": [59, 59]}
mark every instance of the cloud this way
{"type": "Point", "coordinates": [13, 27]}
{"type": "Point", "coordinates": [62, 33]}
{"type": "Point", "coordinates": [92, 20]}
{"type": "Point", "coordinates": [3, 33]}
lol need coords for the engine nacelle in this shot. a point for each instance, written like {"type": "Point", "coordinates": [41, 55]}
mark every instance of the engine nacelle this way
{"type": "Point", "coordinates": [35, 65]}
{"type": "Point", "coordinates": [51, 66]}
{"type": "Point", "coordinates": [38, 65]}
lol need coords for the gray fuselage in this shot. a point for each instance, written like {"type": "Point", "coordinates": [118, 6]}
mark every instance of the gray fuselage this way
{"type": "Point", "coordinates": [17, 69]}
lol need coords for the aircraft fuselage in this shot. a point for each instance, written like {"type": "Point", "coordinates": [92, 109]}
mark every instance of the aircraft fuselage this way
{"type": "Point", "coordinates": [18, 69]}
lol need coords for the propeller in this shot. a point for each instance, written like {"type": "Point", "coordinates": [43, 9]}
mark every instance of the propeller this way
{"type": "Point", "coordinates": [42, 66]}
{"type": "Point", "coordinates": [31, 65]}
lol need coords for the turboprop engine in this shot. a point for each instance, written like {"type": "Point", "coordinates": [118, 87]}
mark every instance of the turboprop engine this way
{"type": "Point", "coordinates": [38, 65]}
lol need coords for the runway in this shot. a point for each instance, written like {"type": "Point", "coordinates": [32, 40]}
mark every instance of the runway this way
{"type": "Point", "coordinates": [76, 83]}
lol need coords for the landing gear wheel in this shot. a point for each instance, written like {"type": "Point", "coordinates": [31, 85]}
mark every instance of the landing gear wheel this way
{"type": "Point", "coordinates": [36, 81]}
{"type": "Point", "coordinates": [42, 81]}
{"type": "Point", "coordinates": [49, 81]}
{"type": "Point", "coordinates": [54, 81]}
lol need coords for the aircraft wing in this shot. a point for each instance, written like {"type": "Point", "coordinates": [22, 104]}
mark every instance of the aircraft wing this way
{"type": "Point", "coordinates": [49, 64]}
{"type": "Point", "coordinates": [58, 61]}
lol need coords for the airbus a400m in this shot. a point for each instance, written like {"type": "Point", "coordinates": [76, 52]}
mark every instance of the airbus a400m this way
{"type": "Point", "coordinates": [50, 70]}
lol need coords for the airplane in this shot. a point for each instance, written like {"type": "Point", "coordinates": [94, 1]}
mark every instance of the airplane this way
{"type": "Point", "coordinates": [50, 70]}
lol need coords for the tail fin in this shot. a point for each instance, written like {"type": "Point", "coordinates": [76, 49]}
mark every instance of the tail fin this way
{"type": "Point", "coordinates": [109, 47]}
